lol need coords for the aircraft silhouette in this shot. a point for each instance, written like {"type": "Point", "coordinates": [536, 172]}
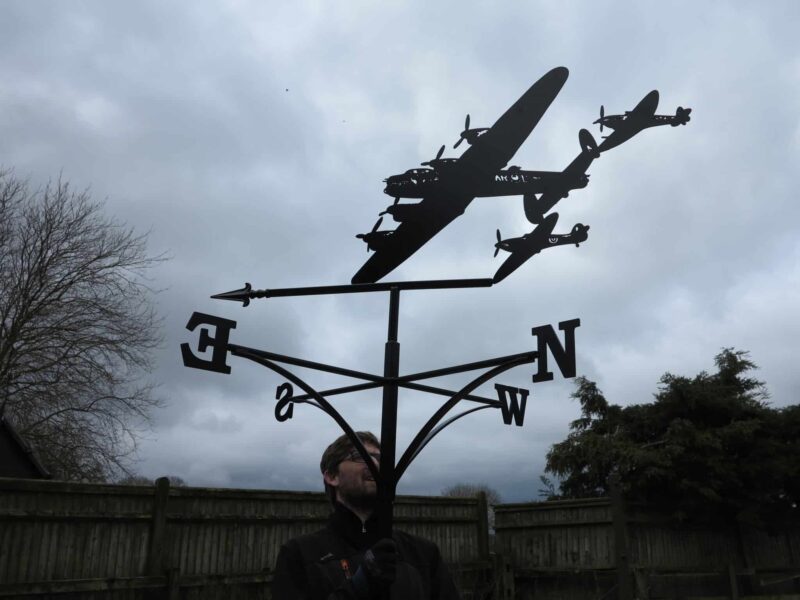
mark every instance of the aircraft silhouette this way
{"type": "Point", "coordinates": [572, 177]}
{"type": "Point", "coordinates": [643, 115]}
{"type": "Point", "coordinates": [542, 237]}
{"type": "Point", "coordinates": [450, 185]}
{"type": "Point", "coordinates": [513, 181]}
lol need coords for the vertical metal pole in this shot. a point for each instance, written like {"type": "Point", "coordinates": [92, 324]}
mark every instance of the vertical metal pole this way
{"type": "Point", "coordinates": [391, 368]}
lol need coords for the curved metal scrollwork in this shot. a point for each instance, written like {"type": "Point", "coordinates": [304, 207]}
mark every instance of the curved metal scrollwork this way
{"type": "Point", "coordinates": [422, 437]}
{"type": "Point", "coordinates": [433, 433]}
{"type": "Point", "coordinates": [321, 403]}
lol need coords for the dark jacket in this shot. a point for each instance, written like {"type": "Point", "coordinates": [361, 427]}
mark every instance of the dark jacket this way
{"type": "Point", "coordinates": [319, 566]}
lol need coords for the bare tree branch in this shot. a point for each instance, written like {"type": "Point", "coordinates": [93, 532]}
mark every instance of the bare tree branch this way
{"type": "Point", "coordinates": [77, 329]}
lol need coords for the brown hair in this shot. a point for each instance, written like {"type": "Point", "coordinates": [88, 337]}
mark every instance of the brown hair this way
{"type": "Point", "coordinates": [339, 450]}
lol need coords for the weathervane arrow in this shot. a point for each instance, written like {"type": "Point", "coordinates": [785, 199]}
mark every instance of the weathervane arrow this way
{"type": "Point", "coordinates": [242, 295]}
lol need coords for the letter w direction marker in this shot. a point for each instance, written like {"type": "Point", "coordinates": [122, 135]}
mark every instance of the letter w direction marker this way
{"type": "Point", "coordinates": [511, 407]}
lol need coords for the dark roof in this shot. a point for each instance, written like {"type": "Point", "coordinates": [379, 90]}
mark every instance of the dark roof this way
{"type": "Point", "coordinates": [17, 458]}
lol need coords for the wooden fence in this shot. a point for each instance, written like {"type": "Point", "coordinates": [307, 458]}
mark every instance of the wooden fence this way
{"type": "Point", "coordinates": [69, 541]}
{"type": "Point", "coordinates": [593, 549]}
{"type": "Point", "coordinates": [77, 540]}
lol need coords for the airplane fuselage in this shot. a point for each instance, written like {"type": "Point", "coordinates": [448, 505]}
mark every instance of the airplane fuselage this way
{"type": "Point", "coordinates": [419, 183]}
{"type": "Point", "coordinates": [641, 117]}
{"type": "Point", "coordinates": [541, 238]}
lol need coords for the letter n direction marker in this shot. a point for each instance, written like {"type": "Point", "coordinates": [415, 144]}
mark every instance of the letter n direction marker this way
{"type": "Point", "coordinates": [511, 401]}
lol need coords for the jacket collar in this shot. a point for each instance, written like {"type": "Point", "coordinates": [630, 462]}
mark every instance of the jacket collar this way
{"type": "Point", "coordinates": [348, 525]}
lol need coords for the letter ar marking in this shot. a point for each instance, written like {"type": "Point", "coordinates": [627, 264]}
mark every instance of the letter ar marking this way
{"type": "Point", "coordinates": [509, 405]}
{"type": "Point", "coordinates": [546, 339]}
{"type": "Point", "coordinates": [219, 343]}
{"type": "Point", "coordinates": [284, 395]}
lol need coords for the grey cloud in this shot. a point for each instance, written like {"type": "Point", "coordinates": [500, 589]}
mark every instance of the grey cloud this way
{"type": "Point", "coordinates": [180, 117]}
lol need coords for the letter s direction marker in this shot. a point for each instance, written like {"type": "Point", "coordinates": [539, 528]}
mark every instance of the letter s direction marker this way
{"type": "Point", "coordinates": [284, 395]}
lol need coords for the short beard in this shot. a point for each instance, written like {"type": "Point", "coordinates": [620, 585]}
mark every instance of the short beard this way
{"type": "Point", "coordinates": [361, 501]}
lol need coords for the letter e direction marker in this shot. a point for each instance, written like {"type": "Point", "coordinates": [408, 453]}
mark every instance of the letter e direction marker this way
{"type": "Point", "coordinates": [284, 395]}
{"type": "Point", "coordinates": [219, 343]}
{"type": "Point", "coordinates": [511, 407]}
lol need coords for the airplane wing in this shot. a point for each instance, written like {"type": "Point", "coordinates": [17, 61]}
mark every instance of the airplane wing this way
{"type": "Point", "coordinates": [611, 121]}
{"type": "Point", "coordinates": [492, 150]}
{"type": "Point", "coordinates": [435, 213]}
{"type": "Point", "coordinates": [490, 153]}
{"type": "Point", "coordinates": [534, 242]}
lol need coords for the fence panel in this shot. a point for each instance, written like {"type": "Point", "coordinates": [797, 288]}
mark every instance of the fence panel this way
{"type": "Point", "coordinates": [566, 550]}
{"type": "Point", "coordinates": [79, 540]}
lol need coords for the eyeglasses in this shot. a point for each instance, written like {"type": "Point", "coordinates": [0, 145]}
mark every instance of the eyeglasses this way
{"type": "Point", "coordinates": [356, 457]}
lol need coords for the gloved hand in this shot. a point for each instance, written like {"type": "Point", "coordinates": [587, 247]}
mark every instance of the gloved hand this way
{"type": "Point", "coordinates": [378, 569]}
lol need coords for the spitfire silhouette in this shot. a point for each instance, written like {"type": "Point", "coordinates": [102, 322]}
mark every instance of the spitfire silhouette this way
{"type": "Point", "coordinates": [446, 186]}
{"type": "Point", "coordinates": [643, 115]}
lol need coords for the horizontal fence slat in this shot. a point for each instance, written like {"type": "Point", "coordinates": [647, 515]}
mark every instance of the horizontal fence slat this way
{"type": "Point", "coordinates": [69, 538]}
{"type": "Point", "coordinates": [64, 538]}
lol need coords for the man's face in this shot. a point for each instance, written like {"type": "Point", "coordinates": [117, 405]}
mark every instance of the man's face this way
{"type": "Point", "coordinates": [354, 483]}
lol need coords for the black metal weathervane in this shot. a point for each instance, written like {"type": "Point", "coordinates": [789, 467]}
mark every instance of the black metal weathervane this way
{"type": "Point", "coordinates": [446, 187]}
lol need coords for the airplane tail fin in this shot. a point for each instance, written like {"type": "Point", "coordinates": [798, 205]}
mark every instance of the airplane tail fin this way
{"type": "Point", "coordinates": [682, 115]}
{"type": "Point", "coordinates": [533, 212]}
{"type": "Point", "coordinates": [588, 143]}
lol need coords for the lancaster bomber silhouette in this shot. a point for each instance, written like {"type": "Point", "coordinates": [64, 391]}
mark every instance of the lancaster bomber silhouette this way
{"type": "Point", "coordinates": [446, 186]}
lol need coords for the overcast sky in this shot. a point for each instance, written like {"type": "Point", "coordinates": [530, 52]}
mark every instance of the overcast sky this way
{"type": "Point", "coordinates": [252, 138]}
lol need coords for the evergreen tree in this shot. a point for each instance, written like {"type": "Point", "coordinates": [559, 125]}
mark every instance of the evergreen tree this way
{"type": "Point", "coordinates": [708, 448]}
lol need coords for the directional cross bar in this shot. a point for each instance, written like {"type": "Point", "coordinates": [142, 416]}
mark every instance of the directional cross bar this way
{"type": "Point", "coordinates": [215, 335]}
{"type": "Point", "coordinates": [247, 293]}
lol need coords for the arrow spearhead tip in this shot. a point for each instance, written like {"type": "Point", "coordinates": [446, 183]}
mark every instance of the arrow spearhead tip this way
{"type": "Point", "coordinates": [242, 295]}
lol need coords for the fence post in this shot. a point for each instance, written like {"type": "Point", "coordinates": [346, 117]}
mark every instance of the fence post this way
{"type": "Point", "coordinates": [483, 526]}
{"type": "Point", "coordinates": [749, 580]}
{"type": "Point", "coordinates": [625, 590]}
{"type": "Point", "coordinates": [158, 528]}
{"type": "Point", "coordinates": [734, 585]}
{"type": "Point", "coordinates": [503, 578]}
{"type": "Point", "coordinates": [173, 584]}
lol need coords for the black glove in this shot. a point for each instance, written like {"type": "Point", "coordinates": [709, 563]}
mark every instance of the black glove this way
{"type": "Point", "coordinates": [378, 569]}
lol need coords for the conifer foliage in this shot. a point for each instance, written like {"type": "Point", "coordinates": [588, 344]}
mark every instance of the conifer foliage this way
{"type": "Point", "coordinates": [709, 447]}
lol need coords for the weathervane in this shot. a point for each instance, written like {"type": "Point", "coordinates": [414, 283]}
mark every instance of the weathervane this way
{"type": "Point", "coordinates": [446, 187]}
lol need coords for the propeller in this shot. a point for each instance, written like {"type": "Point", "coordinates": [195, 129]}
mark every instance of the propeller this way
{"type": "Point", "coordinates": [497, 245]}
{"type": "Point", "coordinates": [602, 115]}
{"type": "Point", "coordinates": [396, 201]}
{"type": "Point", "coordinates": [463, 136]}
{"type": "Point", "coordinates": [363, 236]}
{"type": "Point", "coordinates": [438, 156]}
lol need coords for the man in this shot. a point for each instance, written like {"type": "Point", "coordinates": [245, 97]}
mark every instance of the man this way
{"type": "Point", "coordinates": [346, 560]}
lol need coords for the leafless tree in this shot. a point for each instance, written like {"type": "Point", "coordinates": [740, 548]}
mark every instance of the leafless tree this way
{"type": "Point", "coordinates": [134, 479]}
{"type": "Point", "coordinates": [469, 490]}
{"type": "Point", "coordinates": [77, 329]}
